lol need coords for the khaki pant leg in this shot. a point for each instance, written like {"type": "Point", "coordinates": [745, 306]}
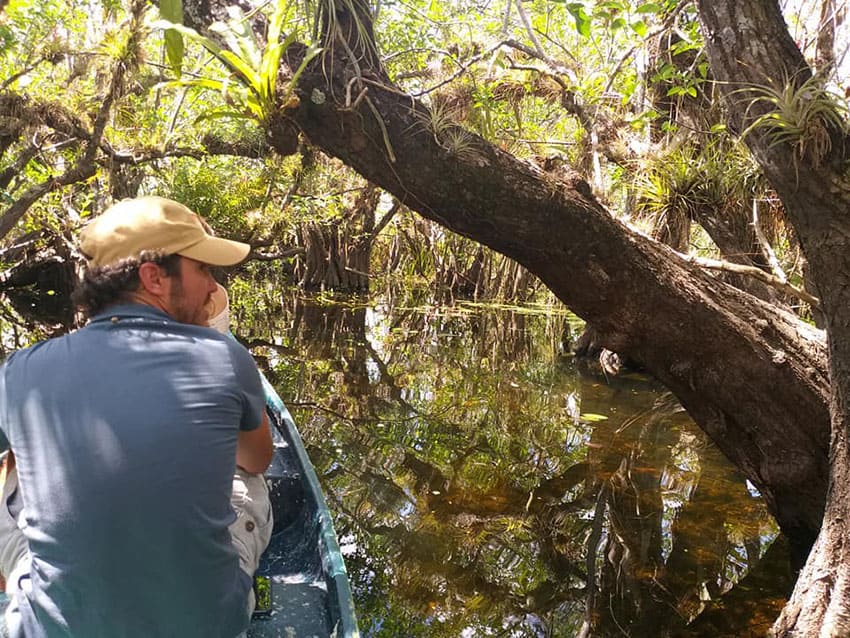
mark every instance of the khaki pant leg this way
{"type": "Point", "coordinates": [13, 544]}
{"type": "Point", "coordinates": [252, 529]}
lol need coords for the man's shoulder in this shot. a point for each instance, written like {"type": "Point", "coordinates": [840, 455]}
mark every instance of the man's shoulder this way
{"type": "Point", "coordinates": [204, 343]}
{"type": "Point", "coordinates": [35, 350]}
{"type": "Point", "coordinates": [239, 352]}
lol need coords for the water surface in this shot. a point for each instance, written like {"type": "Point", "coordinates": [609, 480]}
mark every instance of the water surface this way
{"type": "Point", "coordinates": [484, 484]}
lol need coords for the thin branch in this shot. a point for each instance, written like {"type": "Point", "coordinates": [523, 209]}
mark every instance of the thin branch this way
{"type": "Point", "coordinates": [50, 114]}
{"type": "Point", "coordinates": [756, 273]}
{"type": "Point", "coordinates": [523, 140]}
{"type": "Point", "coordinates": [668, 22]}
{"type": "Point", "coordinates": [424, 74]}
{"type": "Point", "coordinates": [592, 555]}
{"type": "Point", "coordinates": [16, 251]}
{"type": "Point", "coordinates": [559, 45]}
{"type": "Point", "coordinates": [506, 21]}
{"type": "Point", "coordinates": [11, 79]}
{"type": "Point", "coordinates": [18, 165]}
{"type": "Point", "coordinates": [79, 172]}
{"type": "Point", "coordinates": [57, 118]}
{"type": "Point", "coordinates": [523, 16]}
{"type": "Point", "coordinates": [386, 218]}
{"type": "Point", "coordinates": [555, 69]}
{"type": "Point", "coordinates": [392, 56]}
{"type": "Point", "coordinates": [463, 69]}
{"type": "Point", "coordinates": [568, 98]}
{"type": "Point", "coordinates": [519, 46]}
{"type": "Point", "coordinates": [775, 266]}
{"type": "Point", "coordinates": [284, 254]}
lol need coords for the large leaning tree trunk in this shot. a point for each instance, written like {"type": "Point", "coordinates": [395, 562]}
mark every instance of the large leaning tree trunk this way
{"type": "Point", "coordinates": [749, 48]}
{"type": "Point", "coordinates": [753, 377]}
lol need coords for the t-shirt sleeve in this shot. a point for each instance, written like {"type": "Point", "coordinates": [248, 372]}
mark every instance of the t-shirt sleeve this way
{"type": "Point", "coordinates": [251, 387]}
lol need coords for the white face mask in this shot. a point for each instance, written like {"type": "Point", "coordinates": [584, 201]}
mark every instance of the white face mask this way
{"type": "Point", "coordinates": [221, 321]}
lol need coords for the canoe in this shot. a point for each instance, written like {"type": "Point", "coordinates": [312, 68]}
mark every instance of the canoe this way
{"type": "Point", "coordinates": [310, 592]}
{"type": "Point", "coordinates": [301, 573]}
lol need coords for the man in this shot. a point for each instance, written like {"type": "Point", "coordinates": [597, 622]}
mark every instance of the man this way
{"type": "Point", "coordinates": [126, 435]}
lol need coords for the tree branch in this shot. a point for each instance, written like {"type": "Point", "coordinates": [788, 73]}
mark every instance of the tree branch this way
{"type": "Point", "coordinates": [755, 273]}
{"type": "Point", "coordinates": [284, 254]}
{"type": "Point", "coordinates": [386, 219]}
{"type": "Point", "coordinates": [18, 165]}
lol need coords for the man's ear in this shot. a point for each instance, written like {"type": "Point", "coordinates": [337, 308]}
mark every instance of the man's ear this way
{"type": "Point", "coordinates": [152, 279]}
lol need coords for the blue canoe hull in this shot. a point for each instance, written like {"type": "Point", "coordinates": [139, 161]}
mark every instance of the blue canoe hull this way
{"type": "Point", "coordinates": [311, 596]}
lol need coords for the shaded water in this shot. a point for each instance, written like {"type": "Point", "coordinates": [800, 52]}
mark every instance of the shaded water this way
{"type": "Point", "coordinates": [484, 485]}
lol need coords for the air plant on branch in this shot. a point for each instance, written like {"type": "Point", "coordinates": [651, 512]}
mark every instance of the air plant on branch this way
{"type": "Point", "coordinates": [252, 86]}
{"type": "Point", "coordinates": [804, 115]}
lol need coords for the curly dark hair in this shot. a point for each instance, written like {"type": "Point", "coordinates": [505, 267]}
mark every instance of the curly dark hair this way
{"type": "Point", "coordinates": [104, 286]}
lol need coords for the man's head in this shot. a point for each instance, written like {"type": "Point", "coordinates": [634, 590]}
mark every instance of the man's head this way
{"type": "Point", "coordinates": [154, 251]}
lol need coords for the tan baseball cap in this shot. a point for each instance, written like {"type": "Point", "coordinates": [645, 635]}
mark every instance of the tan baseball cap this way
{"type": "Point", "coordinates": [132, 226]}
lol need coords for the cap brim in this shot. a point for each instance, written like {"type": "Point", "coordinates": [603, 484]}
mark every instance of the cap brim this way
{"type": "Point", "coordinates": [217, 251]}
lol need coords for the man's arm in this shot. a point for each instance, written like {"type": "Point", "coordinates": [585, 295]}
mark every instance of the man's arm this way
{"type": "Point", "coordinates": [254, 448]}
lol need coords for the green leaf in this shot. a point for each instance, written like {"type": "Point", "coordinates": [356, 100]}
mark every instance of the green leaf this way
{"type": "Point", "coordinates": [311, 53]}
{"type": "Point", "coordinates": [682, 46]}
{"type": "Point", "coordinates": [576, 9]}
{"type": "Point", "coordinates": [639, 27]}
{"type": "Point", "coordinates": [207, 43]}
{"type": "Point", "coordinates": [198, 83]}
{"type": "Point", "coordinates": [238, 36]}
{"type": "Point", "coordinates": [648, 7]}
{"type": "Point", "coordinates": [217, 114]}
{"type": "Point", "coordinates": [666, 72]}
{"type": "Point", "coordinates": [172, 10]}
{"type": "Point", "coordinates": [590, 417]}
{"type": "Point", "coordinates": [240, 66]}
{"type": "Point", "coordinates": [270, 63]}
{"type": "Point", "coordinates": [256, 106]}
{"type": "Point", "coordinates": [174, 50]}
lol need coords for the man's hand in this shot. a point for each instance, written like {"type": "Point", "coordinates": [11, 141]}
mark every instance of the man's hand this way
{"type": "Point", "coordinates": [254, 448]}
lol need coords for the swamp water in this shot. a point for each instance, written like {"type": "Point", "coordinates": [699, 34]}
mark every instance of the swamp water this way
{"type": "Point", "coordinates": [483, 484]}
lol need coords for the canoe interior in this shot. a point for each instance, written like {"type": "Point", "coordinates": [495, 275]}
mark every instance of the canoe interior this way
{"type": "Point", "coordinates": [311, 597]}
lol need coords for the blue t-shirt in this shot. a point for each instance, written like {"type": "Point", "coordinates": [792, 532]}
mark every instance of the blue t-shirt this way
{"type": "Point", "coordinates": [125, 438]}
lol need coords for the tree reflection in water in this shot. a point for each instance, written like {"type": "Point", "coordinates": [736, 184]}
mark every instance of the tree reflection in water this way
{"type": "Point", "coordinates": [482, 486]}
